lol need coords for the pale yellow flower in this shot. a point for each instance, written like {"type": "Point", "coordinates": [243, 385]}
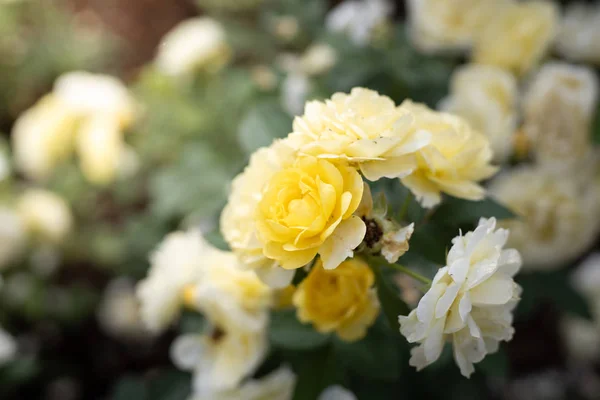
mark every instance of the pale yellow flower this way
{"type": "Point", "coordinates": [342, 300]}
{"type": "Point", "coordinates": [455, 160]}
{"type": "Point", "coordinates": [318, 59]}
{"type": "Point", "coordinates": [486, 96]}
{"type": "Point", "coordinates": [441, 25]}
{"type": "Point", "coordinates": [46, 215]}
{"type": "Point", "coordinates": [559, 107]}
{"type": "Point", "coordinates": [558, 215]}
{"type": "Point", "coordinates": [307, 209]}
{"type": "Point", "coordinates": [237, 220]}
{"type": "Point", "coordinates": [363, 128]}
{"type": "Point", "coordinates": [42, 137]}
{"type": "Point", "coordinates": [278, 385]}
{"type": "Point", "coordinates": [517, 36]}
{"type": "Point", "coordinates": [195, 44]}
{"type": "Point", "coordinates": [578, 38]}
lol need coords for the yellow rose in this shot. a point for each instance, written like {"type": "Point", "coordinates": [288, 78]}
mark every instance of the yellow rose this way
{"type": "Point", "coordinates": [437, 25]}
{"type": "Point", "coordinates": [455, 160]}
{"type": "Point", "coordinates": [558, 109]}
{"type": "Point", "coordinates": [486, 96]}
{"type": "Point", "coordinates": [363, 128]}
{"type": "Point", "coordinates": [518, 36]}
{"type": "Point", "coordinates": [341, 300]}
{"type": "Point", "coordinates": [237, 220]}
{"type": "Point", "coordinates": [307, 209]}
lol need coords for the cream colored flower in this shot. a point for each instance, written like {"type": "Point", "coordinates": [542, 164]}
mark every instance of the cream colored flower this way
{"type": "Point", "coordinates": [231, 298]}
{"type": "Point", "coordinates": [46, 215]}
{"type": "Point", "coordinates": [93, 95]}
{"type": "Point", "coordinates": [194, 44]}
{"type": "Point", "coordinates": [119, 311]}
{"type": "Point", "coordinates": [470, 301]}
{"type": "Point", "coordinates": [179, 261]}
{"type": "Point", "coordinates": [518, 35]}
{"type": "Point", "coordinates": [318, 59]}
{"type": "Point", "coordinates": [363, 128]}
{"type": "Point", "coordinates": [558, 107]}
{"type": "Point", "coordinates": [453, 162]}
{"type": "Point", "coordinates": [441, 25]}
{"type": "Point", "coordinates": [557, 216]}
{"type": "Point", "coordinates": [486, 96]}
{"type": "Point", "coordinates": [278, 385]}
{"type": "Point", "coordinates": [586, 279]}
{"type": "Point", "coordinates": [342, 300]}
{"type": "Point", "coordinates": [220, 360]}
{"type": "Point", "coordinates": [92, 110]}
{"type": "Point", "coordinates": [336, 392]}
{"type": "Point", "coordinates": [358, 18]}
{"type": "Point", "coordinates": [42, 137]}
{"type": "Point", "coordinates": [237, 220]}
{"type": "Point", "coordinates": [578, 38]}
{"type": "Point", "coordinates": [13, 236]}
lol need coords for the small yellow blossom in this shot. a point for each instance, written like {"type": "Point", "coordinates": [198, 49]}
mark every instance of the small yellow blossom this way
{"type": "Point", "coordinates": [518, 36]}
{"type": "Point", "coordinates": [486, 96]}
{"type": "Point", "coordinates": [45, 214]}
{"type": "Point", "coordinates": [342, 300]}
{"type": "Point", "coordinates": [441, 25]}
{"type": "Point", "coordinates": [195, 44]}
{"type": "Point", "coordinates": [363, 128]}
{"type": "Point", "coordinates": [307, 209]}
{"type": "Point", "coordinates": [558, 109]}
{"type": "Point", "coordinates": [455, 160]}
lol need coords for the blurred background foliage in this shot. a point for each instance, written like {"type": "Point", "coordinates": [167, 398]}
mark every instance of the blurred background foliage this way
{"type": "Point", "coordinates": [192, 137]}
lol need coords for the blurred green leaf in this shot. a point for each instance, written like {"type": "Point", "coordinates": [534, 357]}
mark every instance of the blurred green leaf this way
{"type": "Point", "coordinates": [431, 240]}
{"type": "Point", "coordinates": [391, 303]}
{"type": "Point", "coordinates": [171, 384]}
{"type": "Point", "coordinates": [129, 388]}
{"type": "Point", "coordinates": [18, 372]}
{"type": "Point", "coordinates": [191, 322]}
{"type": "Point", "coordinates": [263, 123]}
{"type": "Point", "coordinates": [316, 370]}
{"type": "Point", "coordinates": [287, 332]}
{"type": "Point", "coordinates": [496, 365]}
{"type": "Point", "coordinates": [456, 212]}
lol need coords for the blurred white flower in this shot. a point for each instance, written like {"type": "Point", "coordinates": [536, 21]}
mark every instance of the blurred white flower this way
{"type": "Point", "coordinates": [578, 37]}
{"type": "Point", "coordinates": [220, 360]}
{"type": "Point", "coordinates": [441, 25]}
{"type": "Point", "coordinates": [558, 216]}
{"type": "Point", "coordinates": [581, 337]}
{"type": "Point", "coordinates": [46, 215]}
{"type": "Point", "coordinates": [119, 311]}
{"type": "Point", "coordinates": [278, 385]}
{"type": "Point", "coordinates": [286, 27]}
{"type": "Point", "coordinates": [8, 347]}
{"type": "Point", "coordinates": [586, 278]}
{"type": "Point", "coordinates": [487, 97]}
{"type": "Point", "coordinates": [194, 44]}
{"type": "Point", "coordinates": [13, 236]}
{"type": "Point", "coordinates": [470, 302]}
{"type": "Point", "coordinates": [358, 18]}
{"type": "Point", "coordinates": [318, 59]}
{"type": "Point", "coordinates": [336, 392]}
{"type": "Point", "coordinates": [294, 93]}
{"type": "Point", "coordinates": [177, 262]}
{"type": "Point", "coordinates": [92, 110]}
{"type": "Point", "coordinates": [559, 106]}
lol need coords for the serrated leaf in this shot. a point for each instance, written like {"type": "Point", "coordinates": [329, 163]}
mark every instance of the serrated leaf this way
{"type": "Point", "coordinates": [456, 212]}
{"type": "Point", "coordinates": [262, 124]}
{"type": "Point", "coordinates": [287, 332]}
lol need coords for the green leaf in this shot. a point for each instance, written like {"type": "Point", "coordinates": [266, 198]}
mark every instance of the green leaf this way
{"type": "Point", "coordinates": [377, 356]}
{"type": "Point", "coordinates": [130, 387]}
{"type": "Point", "coordinates": [316, 370]}
{"type": "Point", "coordinates": [554, 286]}
{"type": "Point", "coordinates": [263, 123]}
{"type": "Point", "coordinates": [170, 385]}
{"type": "Point", "coordinates": [431, 240]}
{"type": "Point", "coordinates": [18, 372]}
{"type": "Point", "coordinates": [456, 212]}
{"type": "Point", "coordinates": [288, 333]}
{"type": "Point", "coordinates": [496, 365]}
{"type": "Point", "coordinates": [391, 303]}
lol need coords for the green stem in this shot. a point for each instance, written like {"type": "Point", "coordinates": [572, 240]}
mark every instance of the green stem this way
{"type": "Point", "coordinates": [410, 273]}
{"type": "Point", "coordinates": [404, 208]}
